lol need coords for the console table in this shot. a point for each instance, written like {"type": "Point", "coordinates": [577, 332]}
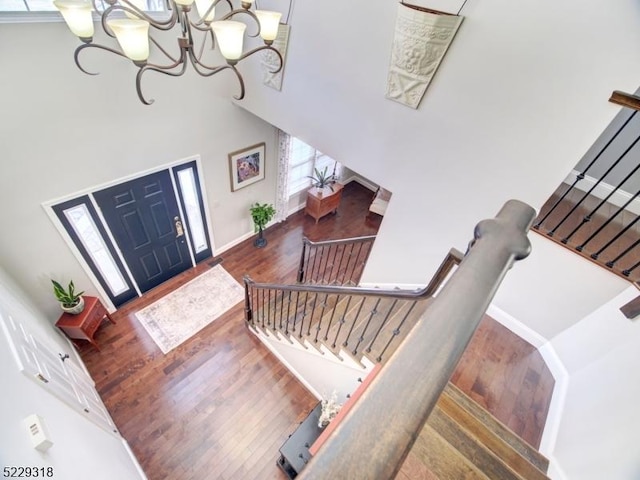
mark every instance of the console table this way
{"type": "Point", "coordinates": [294, 453]}
{"type": "Point", "coordinates": [83, 325]}
{"type": "Point", "coordinates": [321, 202]}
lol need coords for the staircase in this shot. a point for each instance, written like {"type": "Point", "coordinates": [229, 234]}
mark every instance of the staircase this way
{"type": "Point", "coordinates": [363, 327]}
{"type": "Point", "coordinates": [461, 440]}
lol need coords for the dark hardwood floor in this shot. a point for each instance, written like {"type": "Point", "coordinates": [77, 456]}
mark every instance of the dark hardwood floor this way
{"type": "Point", "coordinates": [220, 405]}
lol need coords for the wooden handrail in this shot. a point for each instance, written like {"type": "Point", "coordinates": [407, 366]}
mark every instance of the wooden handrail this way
{"type": "Point", "coordinates": [364, 238]}
{"type": "Point", "coordinates": [376, 435]}
{"type": "Point", "coordinates": [454, 257]}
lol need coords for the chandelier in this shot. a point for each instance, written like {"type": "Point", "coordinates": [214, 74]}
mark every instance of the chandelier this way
{"type": "Point", "coordinates": [131, 31]}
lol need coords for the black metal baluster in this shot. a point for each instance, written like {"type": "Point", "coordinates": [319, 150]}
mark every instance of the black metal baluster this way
{"type": "Point", "coordinates": [344, 267]}
{"type": "Point", "coordinates": [396, 331]}
{"type": "Point", "coordinates": [615, 164]}
{"type": "Point", "coordinates": [339, 270]}
{"type": "Point", "coordinates": [286, 330]}
{"type": "Point", "coordinates": [627, 250]}
{"type": "Point", "coordinates": [354, 321]}
{"type": "Point", "coordinates": [316, 255]}
{"type": "Point", "coordinates": [333, 314]}
{"type": "Point", "coordinates": [323, 307]}
{"type": "Point", "coordinates": [296, 320]}
{"type": "Point", "coordinates": [333, 249]}
{"type": "Point", "coordinates": [356, 272]}
{"type": "Point", "coordinates": [372, 314]}
{"type": "Point", "coordinates": [628, 271]}
{"type": "Point", "coordinates": [603, 226]}
{"type": "Point", "coordinates": [314, 302]}
{"type": "Point", "coordinates": [341, 322]}
{"type": "Point", "coordinates": [261, 300]}
{"type": "Point", "coordinates": [301, 267]}
{"type": "Point", "coordinates": [602, 202]}
{"type": "Point", "coordinates": [281, 302]}
{"type": "Point", "coordinates": [304, 313]}
{"type": "Point", "coordinates": [582, 174]}
{"type": "Point", "coordinates": [382, 325]}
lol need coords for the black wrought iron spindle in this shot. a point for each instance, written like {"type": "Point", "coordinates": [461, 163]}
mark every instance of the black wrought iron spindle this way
{"type": "Point", "coordinates": [396, 331]}
{"type": "Point", "coordinates": [374, 312]}
{"type": "Point", "coordinates": [382, 325]}
{"type": "Point", "coordinates": [581, 175]}
{"type": "Point", "coordinates": [595, 185]}
{"type": "Point", "coordinates": [354, 321]}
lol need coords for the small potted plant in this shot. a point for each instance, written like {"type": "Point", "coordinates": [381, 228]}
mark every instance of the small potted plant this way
{"type": "Point", "coordinates": [70, 300]}
{"type": "Point", "coordinates": [261, 215]}
{"type": "Point", "coordinates": [321, 180]}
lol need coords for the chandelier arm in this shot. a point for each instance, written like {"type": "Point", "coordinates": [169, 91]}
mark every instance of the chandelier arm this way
{"type": "Point", "coordinates": [167, 24]}
{"type": "Point", "coordinates": [240, 81]}
{"type": "Point", "coordinates": [197, 62]}
{"type": "Point", "coordinates": [264, 47]}
{"type": "Point", "coordinates": [245, 12]}
{"type": "Point", "coordinates": [159, 69]}
{"type": "Point", "coordinates": [167, 54]}
{"type": "Point", "coordinates": [202, 45]}
{"type": "Point", "coordinates": [92, 45]}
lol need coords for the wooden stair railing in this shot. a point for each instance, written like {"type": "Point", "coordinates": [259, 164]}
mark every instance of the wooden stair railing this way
{"type": "Point", "coordinates": [334, 262]}
{"type": "Point", "coordinates": [359, 321]}
{"type": "Point", "coordinates": [374, 438]}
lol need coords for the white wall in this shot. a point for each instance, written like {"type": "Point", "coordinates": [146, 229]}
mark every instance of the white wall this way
{"type": "Point", "coordinates": [517, 101]}
{"type": "Point", "coordinates": [63, 131]}
{"type": "Point", "coordinates": [599, 429]}
{"type": "Point", "coordinates": [79, 446]}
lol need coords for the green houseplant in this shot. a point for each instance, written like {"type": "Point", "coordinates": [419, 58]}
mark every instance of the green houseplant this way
{"type": "Point", "coordinates": [70, 300]}
{"type": "Point", "coordinates": [321, 179]}
{"type": "Point", "coordinates": [261, 213]}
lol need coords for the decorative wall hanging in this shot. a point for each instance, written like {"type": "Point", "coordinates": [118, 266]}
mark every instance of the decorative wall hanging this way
{"type": "Point", "coordinates": [421, 40]}
{"type": "Point", "coordinates": [271, 62]}
{"type": "Point", "coordinates": [246, 166]}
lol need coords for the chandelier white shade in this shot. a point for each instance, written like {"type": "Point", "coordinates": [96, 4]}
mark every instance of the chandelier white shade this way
{"type": "Point", "coordinates": [269, 23]}
{"type": "Point", "coordinates": [129, 25]}
{"type": "Point", "coordinates": [230, 35]}
{"type": "Point", "coordinates": [133, 37]}
{"type": "Point", "coordinates": [77, 14]}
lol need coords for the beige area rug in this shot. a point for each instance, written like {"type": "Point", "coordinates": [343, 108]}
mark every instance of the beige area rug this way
{"type": "Point", "coordinates": [181, 314]}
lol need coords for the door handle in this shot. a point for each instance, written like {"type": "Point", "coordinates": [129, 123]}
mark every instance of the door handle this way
{"type": "Point", "coordinates": [179, 228]}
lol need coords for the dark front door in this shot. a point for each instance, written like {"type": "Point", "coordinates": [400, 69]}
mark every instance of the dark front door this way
{"type": "Point", "coordinates": [143, 216]}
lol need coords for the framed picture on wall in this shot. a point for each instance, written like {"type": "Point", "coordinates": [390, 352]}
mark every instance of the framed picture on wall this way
{"type": "Point", "coordinates": [246, 166]}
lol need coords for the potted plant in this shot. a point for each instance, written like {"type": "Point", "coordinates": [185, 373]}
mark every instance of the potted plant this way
{"type": "Point", "coordinates": [70, 300]}
{"type": "Point", "coordinates": [320, 180]}
{"type": "Point", "coordinates": [261, 215]}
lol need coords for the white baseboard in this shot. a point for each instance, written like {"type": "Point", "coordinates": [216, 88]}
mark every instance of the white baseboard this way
{"type": "Point", "coordinates": [143, 475]}
{"type": "Point", "coordinates": [555, 472]}
{"type": "Point", "coordinates": [516, 326]}
{"type": "Point", "coordinates": [239, 240]}
{"type": "Point", "coordinates": [619, 198]}
{"type": "Point", "coordinates": [558, 399]}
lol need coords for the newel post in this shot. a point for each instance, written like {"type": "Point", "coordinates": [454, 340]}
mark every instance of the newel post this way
{"type": "Point", "coordinates": [374, 438]}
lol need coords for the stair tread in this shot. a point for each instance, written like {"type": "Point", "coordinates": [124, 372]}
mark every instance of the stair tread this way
{"type": "Point", "coordinates": [479, 444]}
{"type": "Point", "coordinates": [433, 458]}
{"type": "Point", "coordinates": [497, 427]}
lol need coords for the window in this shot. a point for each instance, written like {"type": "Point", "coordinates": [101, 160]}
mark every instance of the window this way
{"type": "Point", "coordinates": [81, 221]}
{"type": "Point", "coordinates": [47, 5]}
{"type": "Point", "coordinates": [303, 159]}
